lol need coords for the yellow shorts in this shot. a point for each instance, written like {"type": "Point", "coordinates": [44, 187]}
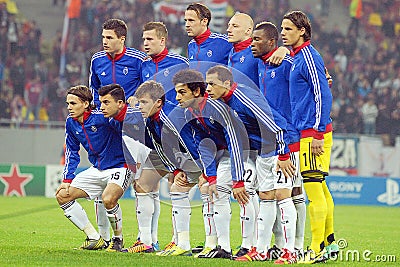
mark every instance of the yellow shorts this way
{"type": "Point", "coordinates": [312, 166]}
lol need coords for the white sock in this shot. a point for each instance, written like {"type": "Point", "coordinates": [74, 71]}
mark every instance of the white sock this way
{"type": "Point", "coordinates": [289, 217]}
{"type": "Point", "coordinates": [144, 213]}
{"type": "Point", "coordinates": [115, 217]}
{"type": "Point", "coordinates": [300, 205]}
{"type": "Point", "coordinates": [101, 219]}
{"type": "Point", "coordinates": [209, 224]}
{"type": "Point", "coordinates": [222, 219]}
{"type": "Point", "coordinates": [181, 212]}
{"type": "Point", "coordinates": [256, 204]}
{"type": "Point", "coordinates": [277, 229]}
{"type": "Point", "coordinates": [247, 223]}
{"type": "Point", "coordinates": [266, 218]}
{"type": "Point", "coordinates": [77, 215]}
{"type": "Point", "coordinates": [155, 217]}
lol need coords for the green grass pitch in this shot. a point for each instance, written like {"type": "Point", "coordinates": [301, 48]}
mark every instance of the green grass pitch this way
{"type": "Point", "coordinates": [34, 232]}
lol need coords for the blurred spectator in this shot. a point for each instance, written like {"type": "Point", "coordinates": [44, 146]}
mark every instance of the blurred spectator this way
{"type": "Point", "coordinates": [341, 60]}
{"type": "Point", "coordinates": [17, 75]}
{"type": "Point", "coordinates": [355, 11]}
{"type": "Point", "coordinates": [33, 97]}
{"type": "Point", "coordinates": [369, 112]}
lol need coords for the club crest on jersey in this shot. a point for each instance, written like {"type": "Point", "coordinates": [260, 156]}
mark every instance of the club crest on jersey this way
{"type": "Point", "coordinates": [209, 53]}
{"type": "Point", "coordinates": [135, 127]}
{"type": "Point", "coordinates": [165, 130]}
{"type": "Point", "coordinates": [166, 72]}
{"type": "Point", "coordinates": [235, 113]}
{"type": "Point", "coordinates": [273, 74]}
{"type": "Point", "coordinates": [211, 120]}
{"type": "Point", "coordinates": [147, 75]}
{"type": "Point", "coordinates": [242, 58]}
{"type": "Point", "coordinates": [94, 129]}
{"type": "Point", "coordinates": [125, 71]}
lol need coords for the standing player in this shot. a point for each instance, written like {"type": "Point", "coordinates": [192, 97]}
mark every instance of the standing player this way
{"type": "Point", "coordinates": [107, 177]}
{"type": "Point", "coordinates": [155, 36]}
{"type": "Point", "coordinates": [240, 29]}
{"type": "Point", "coordinates": [116, 63]}
{"type": "Point", "coordinates": [274, 84]}
{"type": "Point", "coordinates": [274, 173]}
{"type": "Point", "coordinates": [311, 101]}
{"type": "Point", "coordinates": [205, 46]}
{"type": "Point", "coordinates": [220, 137]}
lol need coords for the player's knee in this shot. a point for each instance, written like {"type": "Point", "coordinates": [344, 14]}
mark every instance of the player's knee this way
{"type": "Point", "coordinates": [267, 195]}
{"type": "Point", "coordinates": [284, 193]}
{"type": "Point", "coordinates": [62, 197]}
{"type": "Point", "coordinates": [109, 200]}
{"type": "Point", "coordinates": [296, 191]}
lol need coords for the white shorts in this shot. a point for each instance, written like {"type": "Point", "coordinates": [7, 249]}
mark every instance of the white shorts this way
{"type": "Point", "coordinates": [94, 181]}
{"type": "Point", "coordinates": [298, 180]}
{"type": "Point", "coordinates": [186, 163]}
{"type": "Point", "coordinates": [268, 179]}
{"type": "Point", "coordinates": [250, 176]}
{"type": "Point", "coordinates": [224, 175]}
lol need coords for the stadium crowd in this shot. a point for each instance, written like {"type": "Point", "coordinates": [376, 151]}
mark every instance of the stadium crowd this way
{"type": "Point", "coordinates": [363, 59]}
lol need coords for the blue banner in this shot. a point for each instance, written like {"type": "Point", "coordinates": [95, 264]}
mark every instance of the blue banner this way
{"type": "Point", "coordinates": [354, 190]}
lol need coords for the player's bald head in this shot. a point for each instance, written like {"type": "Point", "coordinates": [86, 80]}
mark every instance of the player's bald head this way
{"type": "Point", "coordinates": [244, 19]}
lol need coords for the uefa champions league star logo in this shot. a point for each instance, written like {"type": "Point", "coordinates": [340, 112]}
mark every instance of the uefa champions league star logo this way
{"type": "Point", "coordinates": [209, 53]}
{"type": "Point", "coordinates": [391, 196]}
{"type": "Point", "coordinates": [125, 71]}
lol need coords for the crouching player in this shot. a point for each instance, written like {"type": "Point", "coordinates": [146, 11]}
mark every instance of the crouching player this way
{"type": "Point", "coordinates": [163, 138]}
{"type": "Point", "coordinates": [274, 173]}
{"type": "Point", "coordinates": [219, 136]}
{"type": "Point", "coordinates": [108, 176]}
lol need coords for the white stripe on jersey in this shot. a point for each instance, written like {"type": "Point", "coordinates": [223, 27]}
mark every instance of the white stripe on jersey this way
{"type": "Point", "coordinates": [315, 82]}
{"type": "Point", "coordinates": [233, 138]}
{"type": "Point", "coordinates": [269, 122]}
